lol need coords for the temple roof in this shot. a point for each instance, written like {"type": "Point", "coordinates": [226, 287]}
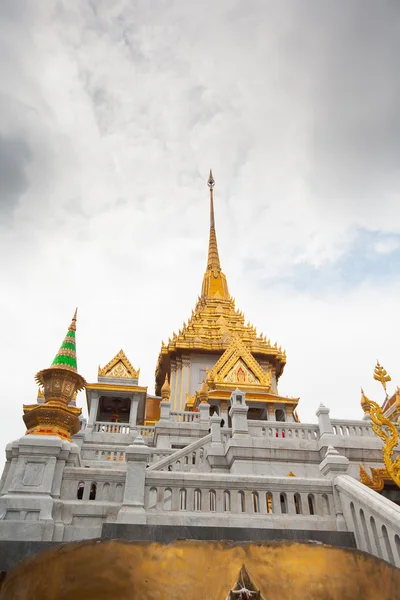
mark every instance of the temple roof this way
{"type": "Point", "coordinates": [215, 320]}
{"type": "Point", "coordinates": [119, 367]}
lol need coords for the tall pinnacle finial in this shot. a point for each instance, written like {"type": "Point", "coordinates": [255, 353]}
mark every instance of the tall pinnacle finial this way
{"type": "Point", "coordinates": [214, 282]}
{"type": "Point", "coordinates": [213, 263]}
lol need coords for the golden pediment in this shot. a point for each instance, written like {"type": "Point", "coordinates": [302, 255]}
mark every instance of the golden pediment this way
{"type": "Point", "coordinates": [237, 367]}
{"type": "Point", "coordinates": [377, 479]}
{"type": "Point", "coordinates": [119, 367]}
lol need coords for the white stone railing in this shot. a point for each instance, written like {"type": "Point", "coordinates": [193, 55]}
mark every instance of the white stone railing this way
{"type": "Point", "coordinates": [108, 454]}
{"type": "Point", "coordinates": [283, 429]}
{"type": "Point", "coordinates": [226, 434]}
{"type": "Point", "coordinates": [159, 454]}
{"type": "Point", "coordinates": [191, 458]}
{"type": "Point", "coordinates": [375, 520]}
{"type": "Point", "coordinates": [146, 431]}
{"type": "Point", "coordinates": [247, 496]}
{"type": "Point", "coordinates": [106, 427]}
{"type": "Point", "coordinates": [350, 428]}
{"type": "Point", "coordinates": [82, 485]}
{"type": "Point", "coordinates": [184, 416]}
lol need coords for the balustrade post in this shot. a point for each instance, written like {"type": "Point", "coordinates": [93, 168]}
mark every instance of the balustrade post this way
{"type": "Point", "coordinates": [94, 407]}
{"type": "Point", "coordinates": [335, 464]}
{"type": "Point", "coordinates": [133, 412]}
{"type": "Point", "coordinates": [204, 412]}
{"type": "Point", "coordinates": [324, 421]}
{"type": "Point", "coordinates": [137, 457]}
{"type": "Point", "coordinates": [238, 412]}
{"type": "Point", "coordinates": [165, 410]}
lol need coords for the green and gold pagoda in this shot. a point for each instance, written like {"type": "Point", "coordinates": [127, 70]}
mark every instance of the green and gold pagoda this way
{"type": "Point", "coordinates": [60, 382]}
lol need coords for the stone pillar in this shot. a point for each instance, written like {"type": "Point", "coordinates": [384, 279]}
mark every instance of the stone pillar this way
{"type": "Point", "coordinates": [137, 457]}
{"type": "Point", "coordinates": [238, 413]}
{"type": "Point", "coordinates": [165, 410]}
{"type": "Point", "coordinates": [94, 407]}
{"type": "Point", "coordinates": [224, 411]}
{"type": "Point", "coordinates": [185, 381]}
{"type": "Point", "coordinates": [162, 439]}
{"type": "Point", "coordinates": [324, 422]}
{"type": "Point", "coordinates": [215, 423]}
{"type": "Point", "coordinates": [335, 464]}
{"type": "Point", "coordinates": [173, 378]}
{"type": "Point", "coordinates": [178, 381]}
{"type": "Point", "coordinates": [204, 410]}
{"type": "Point", "coordinates": [33, 481]}
{"type": "Point", "coordinates": [133, 412]}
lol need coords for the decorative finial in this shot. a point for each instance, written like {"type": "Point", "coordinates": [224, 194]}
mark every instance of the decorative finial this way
{"type": "Point", "coordinates": [166, 390]}
{"type": "Point", "coordinates": [72, 327]}
{"type": "Point", "coordinates": [381, 375]}
{"type": "Point", "coordinates": [203, 393]}
{"type": "Point", "coordinates": [211, 181]}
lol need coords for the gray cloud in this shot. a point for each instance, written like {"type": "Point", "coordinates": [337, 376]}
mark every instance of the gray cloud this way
{"type": "Point", "coordinates": [15, 158]}
{"type": "Point", "coordinates": [114, 113]}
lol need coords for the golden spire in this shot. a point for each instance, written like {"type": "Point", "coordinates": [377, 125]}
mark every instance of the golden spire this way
{"type": "Point", "coordinates": [203, 393]}
{"type": "Point", "coordinates": [214, 282]}
{"type": "Point", "coordinates": [213, 263]}
{"type": "Point", "coordinates": [165, 390]}
{"type": "Point", "coordinates": [381, 375]}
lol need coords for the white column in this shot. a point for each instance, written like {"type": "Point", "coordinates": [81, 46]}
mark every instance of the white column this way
{"type": "Point", "coordinates": [94, 407]}
{"type": "Point", "coordinates": [185, 381]}
{"type": "Point", "coordinates": [178, 378]}
{"type": "Point", "coordinates": [172, 382]}
{"type": "Point", "coordinates": [137, 457]}
{"type": "Point", "coordinates": [133, 411]}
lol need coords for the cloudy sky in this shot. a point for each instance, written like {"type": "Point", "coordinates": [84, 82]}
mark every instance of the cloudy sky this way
{"type": "Point", "coordinates": [111, 114]}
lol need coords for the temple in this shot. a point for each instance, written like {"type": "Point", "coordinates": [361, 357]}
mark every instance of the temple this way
{"type": "Point", "coordinates": [216, 453]}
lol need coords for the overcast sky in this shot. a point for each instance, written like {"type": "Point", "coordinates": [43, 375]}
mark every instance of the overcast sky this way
{"type": "Point", "coordinates": [112, 113]}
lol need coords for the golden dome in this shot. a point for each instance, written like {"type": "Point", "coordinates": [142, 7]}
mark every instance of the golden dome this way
{"type": "Point", "coordinates": [95, 570]}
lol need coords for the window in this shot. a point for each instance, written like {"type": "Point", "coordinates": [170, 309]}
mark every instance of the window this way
{"type": "Point", "coordinates": [197, 499]}
{"type": "Point", "coordinates": [81, 489]}
{"type": "Point", "coordinates": [227, 501]}
{"type": "Point", "coordinates": [268, 499]}
{"type": "Point", "coordinates": [241, 502]}
{"type": "Point", "coordinates": [213, 501]}
{"type": "Point", "coordinates": [282, 499]}
{"type": "Point", "coordinates": [93, 490]}
{"type": "Point", "coordinates": [256, 506]}
{"type": "Point", "coordinates": [279, 415]}
{"type": "Point", "coordinates": [167, 501]}
{"type": "Point", "coordinates": [182, 499]}
{"type": "Point", "coordinates": [152, 498]}
{"type": "Point", "coordinates": [311, 504]}
{"type": "Point", "coordinates": [297, 504]}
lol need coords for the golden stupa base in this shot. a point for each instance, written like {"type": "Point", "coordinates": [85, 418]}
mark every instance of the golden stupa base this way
{"type": "Point", "coordinates": [96, 570]}
{"type": "Point", "coordinates": [52, 418]}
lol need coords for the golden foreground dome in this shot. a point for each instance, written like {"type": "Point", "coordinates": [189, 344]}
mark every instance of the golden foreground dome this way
{"type": "Point", "coordinates": [184, 570]}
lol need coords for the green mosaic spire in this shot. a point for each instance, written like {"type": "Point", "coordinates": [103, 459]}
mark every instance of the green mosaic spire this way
{"type": "Point", "coordinates": [66, 356]}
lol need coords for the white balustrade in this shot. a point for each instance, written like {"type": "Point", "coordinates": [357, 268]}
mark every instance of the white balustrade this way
{"type": "Point", "coordinates": [283, 429]}
{"type": "Point", "coordinates": [146, 431]}
{"type": "Point", "coordinates": [302, 498]}
{"type": "Point", "coordinates": [352, 428]}
{"type": "Point", "coordinates": [104, 427]}
{"type": "Point", "coordinates": [184, 416]}
{"type": "Point", "coordinates": [375, 520]}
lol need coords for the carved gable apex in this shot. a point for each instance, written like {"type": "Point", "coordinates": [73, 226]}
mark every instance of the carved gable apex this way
{"type": "Point", "coordinates": [238, 367]}
{"type": "Point", "coordinates": [119, 367]}
{"type": "Point", "coordinates": [244, 588]}
{"type": "Point", "coordinates": [240, 374]}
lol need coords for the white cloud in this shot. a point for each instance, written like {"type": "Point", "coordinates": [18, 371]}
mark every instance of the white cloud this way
{"type": "Point", "coordinates": [124, 107]}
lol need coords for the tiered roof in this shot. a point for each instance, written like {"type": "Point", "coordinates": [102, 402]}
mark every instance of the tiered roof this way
{"type": "Point", "coordinates": [215, 321]}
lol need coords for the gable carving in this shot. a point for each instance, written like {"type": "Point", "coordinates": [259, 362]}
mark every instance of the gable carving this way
{"type": "Point", "coordinates": [119, 367]}
{"type": "Point", "coordinates": [238, 367]}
